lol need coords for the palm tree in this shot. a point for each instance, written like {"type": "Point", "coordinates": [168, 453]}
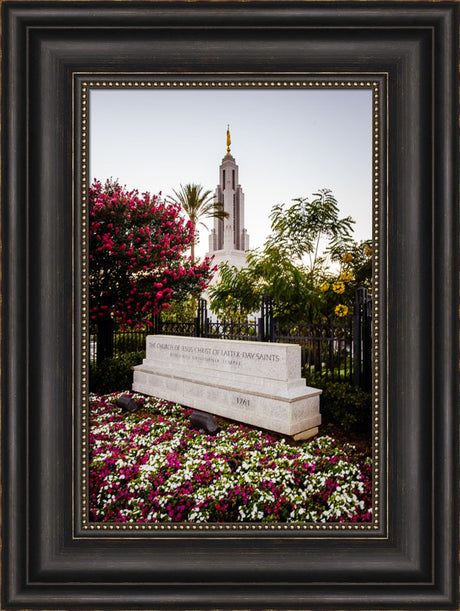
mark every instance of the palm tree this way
{"type": "Point", "coordinates": [198, 205]}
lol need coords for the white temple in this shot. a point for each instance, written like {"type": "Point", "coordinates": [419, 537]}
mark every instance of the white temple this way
{"type": "Point", "coordinates": [229, 240]}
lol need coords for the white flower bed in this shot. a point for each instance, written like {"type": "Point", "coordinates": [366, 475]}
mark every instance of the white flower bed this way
{"type": "Point", "coordinates": [154, 467]}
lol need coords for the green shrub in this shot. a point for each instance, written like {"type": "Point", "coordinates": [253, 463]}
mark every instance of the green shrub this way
{"type": "Point", "coordinates": [343, 404]}
{"type": "Point", "coordinates": [114, 374]}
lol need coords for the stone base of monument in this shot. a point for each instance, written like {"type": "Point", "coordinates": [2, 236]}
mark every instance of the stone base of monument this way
{"type": "Point", "coordinates": [252, 382]}
{"type": "Point", "coordinates": [306, 434]}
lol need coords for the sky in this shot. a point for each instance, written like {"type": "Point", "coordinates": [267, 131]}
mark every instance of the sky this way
{"type": "Point", "coordinates": [287, 144]}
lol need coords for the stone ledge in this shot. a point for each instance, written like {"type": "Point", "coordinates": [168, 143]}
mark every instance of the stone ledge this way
{"type": "Point", "coordinates": [278, 390]}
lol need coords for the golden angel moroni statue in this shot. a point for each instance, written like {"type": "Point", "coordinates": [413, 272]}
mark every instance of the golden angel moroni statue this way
{"type": "Point", "coordinates": [228, 140]}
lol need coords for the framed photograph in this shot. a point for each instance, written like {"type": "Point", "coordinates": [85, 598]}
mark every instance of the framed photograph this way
{"type": "Point", "coordinates": [76, 77]}
{"type": "Point", "coordinates": [225, 350]}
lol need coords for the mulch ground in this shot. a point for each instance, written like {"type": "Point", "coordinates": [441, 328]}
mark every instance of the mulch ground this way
{"type": "Point", "coordinates": [362, 441]}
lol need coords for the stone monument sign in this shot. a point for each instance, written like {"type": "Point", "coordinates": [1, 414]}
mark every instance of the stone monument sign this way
{"type": "Point", "coordinates": [252, 382]}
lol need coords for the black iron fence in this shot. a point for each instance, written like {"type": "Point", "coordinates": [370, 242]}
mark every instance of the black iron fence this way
{"type": "Point", "coordinates": [132, 340]}
{"type": "Point", "coordinates": [326, 349]}
{"type": "Point", "coordinates": [339, 351]}
{"type": "Point", "coordinates": [362, 340]}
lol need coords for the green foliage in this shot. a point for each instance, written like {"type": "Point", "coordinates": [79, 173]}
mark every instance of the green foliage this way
{"type": "Point", "coordinates": [272, 272]}
{"type": "Point", "coordinates": [299, 227]}
{"type": "Point", "coordinates": [343, 404]}
{"type": "Point", "coordinates": [337, 289]}
{"type": "Point", "coordinates": [238, 292]}
{"type": "Point", "coordinates": [114, 374]}
{"type": "Point", "coordinates": [181, 311]}
{"type": "Point", "coordinates": [290, 269]}
{"type": "Point", "coordinates": [356, 257]}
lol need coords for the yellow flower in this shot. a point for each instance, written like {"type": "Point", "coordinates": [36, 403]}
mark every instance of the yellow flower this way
{"type": "Point", "coordinates": [338, 287]}
{"type": "Point", "coordinates": [347, 276]}
{"type": "Point", "coordinates": [341, 310]}
{"type": "Point", "coordinates": [324, 286]}
{"type": "Point", "coordinates": [347, 257]}
{"type": "Point", "coordinates": [368, 251]}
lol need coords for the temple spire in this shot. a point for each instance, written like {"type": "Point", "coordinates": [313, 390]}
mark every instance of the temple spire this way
{"type": "Point", "coordinates": [228, 140]}
{"type": "Point", "coordinates": [229, 240]}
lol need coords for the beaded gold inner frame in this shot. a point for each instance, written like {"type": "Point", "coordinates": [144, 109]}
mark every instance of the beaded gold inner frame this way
{"type": "Point", "coordinates": [377, 83]}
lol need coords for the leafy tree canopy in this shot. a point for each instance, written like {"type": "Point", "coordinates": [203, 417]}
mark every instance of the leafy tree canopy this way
{"type": "Point", "coordinates": [269, 271]}
{"type": "Point", "coordinates": [299, 228]}
{"type": "Point", "coordinates": [136, 252]}
{"type": "Point", "coordinates": [291, 268]}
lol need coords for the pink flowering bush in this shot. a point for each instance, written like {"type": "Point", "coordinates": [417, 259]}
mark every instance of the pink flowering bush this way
{"type": "Point", "coordinates": [137, 263]}
{"type": "Point", "coordinates": [151, 466]}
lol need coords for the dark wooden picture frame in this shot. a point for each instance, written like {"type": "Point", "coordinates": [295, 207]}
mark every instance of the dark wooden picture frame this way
{"type": "Point", "coordinates": [411, 559]}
